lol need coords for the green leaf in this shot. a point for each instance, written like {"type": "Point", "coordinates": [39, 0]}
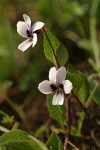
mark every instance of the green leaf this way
{"type": "Point", "coordinates": [57, 112]}
{"type": "Point", "coordinates": [50, 41]}
{"type": "Point", "coordinates": [2, 148]}
{"type": "Point", "coordinates": [60, 146]}
{"type": "Point", "coordinates": [84, 89]}
{"type": "Point", "coordinates": [80, 83]}
{"type": "Point", "coordinates": [85, 44]}
{"type": "Point", "coordinates": [47, 48]}
{"type": "Point", "coordinates": [62, 54]}
{"type": "Point", "coordinates": [54, 142]}
{"type": "Point", "coordinates": [42, 129]}
{"type": "Point", "coordinates": [20, 140]}
{"type": "Point", "coordinates": [94, 65]}
{"type": "Point", "coordinates": [96, 96]}
{"type": "Point", "coordinates": [75, 78]}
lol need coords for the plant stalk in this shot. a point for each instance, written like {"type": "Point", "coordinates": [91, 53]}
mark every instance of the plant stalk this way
{"type": "Point", "coordinates": [93, 11]}
{"type": "Point", "coordinates": [82, 115]}
{"type": "Point", "coordinates": [85, 109]}
{"type": "Point", "coordinates": [68, 116]}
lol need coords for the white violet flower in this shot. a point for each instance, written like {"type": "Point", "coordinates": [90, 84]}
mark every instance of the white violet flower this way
{"type": "Point", "coordinates": [57, 84]}
{"type": "Point", "coordinates": [25, 29]}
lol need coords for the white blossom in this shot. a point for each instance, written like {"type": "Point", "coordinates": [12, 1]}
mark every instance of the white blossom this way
{"type": "Point", "coordinates": [25, 29]}
{"type": "Point", "coordinates": [56, 84]}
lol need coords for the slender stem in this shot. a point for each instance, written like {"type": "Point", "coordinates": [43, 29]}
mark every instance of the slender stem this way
{"type": "Point", "coordinates": [10, 103]}
{"type": "Point", "coordinates": [94, 75]}
{"type": "Point", "coordinates": [15, 126]}
{"type": "Point", "coordinates": [81, 28]}
{"type": "Point", "coordinates": [3, 129]}
{"type": "Point", "coordinates": [53, 51]}
{"type": "Point", "coordinates": [94, 7]}
{"type": "Point", "coordinates": [84, 108]}
{"type": "Point", "coordinates": [68, 116]}
{"type": "Point", "coordinates": [12, 106]}
{"type": "Point", "coordinates": [82, 115]}
{"type": "Point", "coordinates": [73, 145]}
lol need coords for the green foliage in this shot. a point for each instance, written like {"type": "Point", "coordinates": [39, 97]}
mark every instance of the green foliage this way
{"type": "Point", "coordinates": [47, 47]}
{"type": "Point", "coordinates": [79, 81]}
{"type": "Point", "coordinates": [6, 118]}
{"type": "Point", "coordinates": [5, 85]}
{"type": "Point", "coordinates": [94, 65]}
{"type": "Point", "coordinates": [18, 139]}
{"type": "Point", "coordinates": [54, 142]}
{"type": "Point", "coordinates": [2, 148]}
{"type": "Point", "coordinates": [57, 112]}
{"type": "Point", "coordinates": [96, 96]}
{"type": "Point", "coordinates": [53, 48]}
{"type": "Point", "coordinates": [75, 132]}
{"type": "Point", "coordinates": [42, 129]}
{"type": "Point", "coordinates": [84, 88]}
{"type": "Point", "coordinates": [62, 54]}
{"type": "Point", "coordinates": [85, 44]}
{"type": "Point", "coordinates": [7, 58]}
{"type": "Point", "coordinates": [66, 15]}
{"type": "Point", "coordinates": [62, 11]}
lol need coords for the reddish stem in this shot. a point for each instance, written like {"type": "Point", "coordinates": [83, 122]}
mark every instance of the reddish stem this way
{"type": "Point", "coordinates": [85, 111]}
{"type": "Point", "coordinates": [68, 116]}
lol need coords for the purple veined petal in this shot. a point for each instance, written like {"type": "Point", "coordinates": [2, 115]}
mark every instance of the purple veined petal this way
{"type": "Point", "coordinates": [27, 20]}
{"type": "Point", "coordinates": [58, 99]}
{"type": "Point", "coordinates": [52, 75]}
{"type": "Point", "coordinates": [61, 75]}
{"type": "Point", "coordinates": [67, 86]}
{"type": "Point", "coordinates": [22, 28]}
{"type": "Point", "coordinates": [24, 45]}
{"type": "Point", "coordinates": [44, 87]}
{"type": "Point", "coordinates": [34, 39]}
{"type": "Point", "coordinates": [38, 25]}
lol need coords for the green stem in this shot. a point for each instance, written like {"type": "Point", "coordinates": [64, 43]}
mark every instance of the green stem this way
{"type": "Point", "coordinates": [3, 129]}
{"type": "Point", "coordinates": [94, 75]}
{"type": "Point", "coordinates": [53, 51]}
{"type": "Point", "coordinates": [15, 126]}
{"type": "Point", "coordinates": [93, 31]}
{"type": "Point", "coordinates": [81, 28]}
{"type": "Point", "coordinates": [14, 108]}
{"type": "Point", "coordinates": [82, 114]}
{"type": "Point", "coordinates": [3, 113]}
{"type": "Point", "coordinates": [16, 112]}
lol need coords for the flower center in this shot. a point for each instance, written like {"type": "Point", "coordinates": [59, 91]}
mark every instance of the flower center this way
{"type": "Point", "coordinates": [29, 34]}
{"type": "Point", "coordinates": [58, 88]}
{"type": "Point", "coordinates": [53, 87]}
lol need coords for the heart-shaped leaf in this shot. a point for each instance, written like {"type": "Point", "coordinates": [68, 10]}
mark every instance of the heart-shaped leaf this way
{"type": "Point", "coordinates": [20, 140]}
{"type": "Point", "coordinates": [54, 142]}
{"type": "Point", "coordinates": [80, 83]}
{"type": "Point", "coordinates": [57, 112]}
{"type": "Point", "coordinates": [53, 48]}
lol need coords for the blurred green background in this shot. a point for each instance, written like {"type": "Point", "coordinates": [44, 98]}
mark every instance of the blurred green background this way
{"type": "Point", "coordinates": [68, 20]}
{"type": "Point", "coordinates": [76, 23]}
